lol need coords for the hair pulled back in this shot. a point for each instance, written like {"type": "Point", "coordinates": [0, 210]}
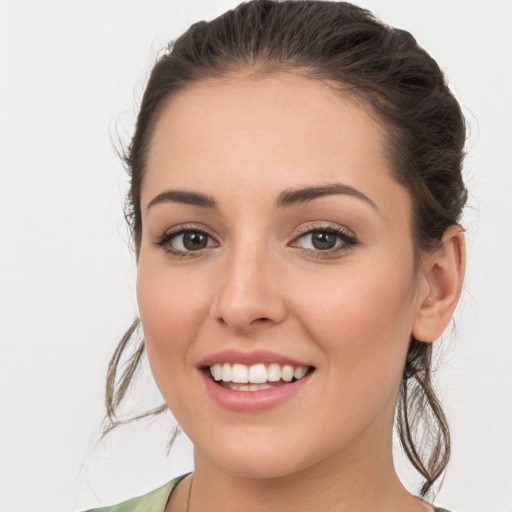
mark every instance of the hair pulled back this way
{"type": "Point", "coordinates": [383, 69]}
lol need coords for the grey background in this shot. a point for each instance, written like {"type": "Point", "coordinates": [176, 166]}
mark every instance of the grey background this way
{"type": "Point", "coordinates": [71, 76]}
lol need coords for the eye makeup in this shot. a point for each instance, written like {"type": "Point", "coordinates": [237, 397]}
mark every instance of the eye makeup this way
{"type": "Point", "coordinates": [319, 240]}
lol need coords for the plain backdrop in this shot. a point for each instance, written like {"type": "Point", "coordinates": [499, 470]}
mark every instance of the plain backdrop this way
{"type": "Point", "coordinates": [71, 77]}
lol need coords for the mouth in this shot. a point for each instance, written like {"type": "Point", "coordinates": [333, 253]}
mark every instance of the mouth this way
{"type": "Point", "coordinates": [255, 377]}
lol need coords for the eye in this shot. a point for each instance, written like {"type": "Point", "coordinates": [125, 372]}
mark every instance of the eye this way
{"type": "Point", "coordinates": [183, 241]}
{"type": "Point", "coordinates": [320, 240]}
{"type": "Point", "coordinates": [325, 241]}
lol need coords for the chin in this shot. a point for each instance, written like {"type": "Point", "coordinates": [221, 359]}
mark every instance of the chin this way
{"type": "Point", "coordinates": [259, 467]}
{"type": "Point", "coordinates": [263, 457]}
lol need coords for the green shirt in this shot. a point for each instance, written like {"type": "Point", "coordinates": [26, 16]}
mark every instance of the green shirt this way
{"type": "Point", "coordinates": [155, 501]}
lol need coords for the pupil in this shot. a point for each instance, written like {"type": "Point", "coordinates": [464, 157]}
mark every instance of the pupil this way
{"type": "Point", "coordinates": [194, 241]}
{"type": "Point", "coordinates": [324, 240]}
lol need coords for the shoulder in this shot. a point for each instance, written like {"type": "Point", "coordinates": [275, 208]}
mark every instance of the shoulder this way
{"type": "Point", "coordinates": [153, 501]}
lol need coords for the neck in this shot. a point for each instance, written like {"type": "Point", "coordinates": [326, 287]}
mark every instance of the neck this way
{"type": "Point", "coordinates": [337, 484]}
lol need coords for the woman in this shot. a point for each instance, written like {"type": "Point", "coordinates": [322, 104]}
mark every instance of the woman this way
{"type": "Point", "coordinates": [295, 201]}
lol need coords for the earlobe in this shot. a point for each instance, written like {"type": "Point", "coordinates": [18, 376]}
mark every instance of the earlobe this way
{"type": "Point", "coordinates": [444, 275]}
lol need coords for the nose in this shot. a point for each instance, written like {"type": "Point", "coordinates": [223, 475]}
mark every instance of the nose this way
{"type": "Point", "coordinates": [249, 294]}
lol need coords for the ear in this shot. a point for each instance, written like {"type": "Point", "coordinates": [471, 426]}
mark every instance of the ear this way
{"type": "Point", "coordinates": [442, 277]}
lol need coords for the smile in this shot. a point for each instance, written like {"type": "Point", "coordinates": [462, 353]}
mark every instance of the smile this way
{"type": "Point", "coordinates": [254, 381]}
{"type": "Point", "coordinates": [256, 377]}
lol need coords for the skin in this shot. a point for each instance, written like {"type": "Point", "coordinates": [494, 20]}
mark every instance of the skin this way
{"type": "Point", "coordinates": [261, 284]}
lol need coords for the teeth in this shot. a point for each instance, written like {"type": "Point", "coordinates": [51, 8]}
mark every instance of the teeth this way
{"type": "Point", "coordinates": [287, 373]}
{"type": "Point", "coordinates": [255, 374]}
{"type": "Point", "coordinates": [274, 373]}
{"type": "Point", "coordinates": [248, 387]}
{"type": "Point", "coordinates": [216, 370]}
{"type": "Point", "coordinates": [227, 373]}
{"type": "Point", "coordinates": [240, 374]}
{"type": "Point", "coordinates": [300, 372]}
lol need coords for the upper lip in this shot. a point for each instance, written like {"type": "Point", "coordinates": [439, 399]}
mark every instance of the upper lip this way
{"type": "Point", "coordinates": [233, 356]}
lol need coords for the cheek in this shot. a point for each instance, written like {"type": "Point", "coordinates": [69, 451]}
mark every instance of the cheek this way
{"type": "Point", "coordinates": [172, 311]}
{"type": "Point", "coordinates": [362, 320]}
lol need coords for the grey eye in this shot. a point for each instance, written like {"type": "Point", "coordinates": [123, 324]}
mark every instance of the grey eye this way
{"type": "Point", "coordinates": [323, 240]}
{"type": "Point", "coordinates": [320, 240]}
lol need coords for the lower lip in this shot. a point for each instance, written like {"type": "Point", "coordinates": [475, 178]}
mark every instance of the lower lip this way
{"type": "Point", "coordinates": [252, 401]}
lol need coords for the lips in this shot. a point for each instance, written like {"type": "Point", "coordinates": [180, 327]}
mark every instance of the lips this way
{"type": "Point", "coordinates": [254, 381]}
{"type": "Point", "coordinates": [249, 358]}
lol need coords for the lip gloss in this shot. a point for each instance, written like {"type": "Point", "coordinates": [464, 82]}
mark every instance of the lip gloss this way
{"type": "Point", "coordinates": [248, 358]}
{"type": "Point", "coordinates": [252, 401]}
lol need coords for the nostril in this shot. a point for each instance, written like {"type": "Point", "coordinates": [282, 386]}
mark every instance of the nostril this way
{"type": "Point", "coordinates": [261, 320]}
{"type": "Point", "coordinates": [246, 310]}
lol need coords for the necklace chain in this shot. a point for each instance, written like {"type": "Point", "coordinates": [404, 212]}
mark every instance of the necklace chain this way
{"type": "Point", "coordinates": [192, 482]}
{"type": "Point", "coordinates": [189, 494]}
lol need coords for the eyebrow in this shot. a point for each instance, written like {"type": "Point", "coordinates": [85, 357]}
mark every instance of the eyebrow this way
{"type": "Point", "coordinates": [285, 199]}
{"type": "Point", "coordinates": [185, 197]}
{"type": "Point", "coordinates": [301, 195]}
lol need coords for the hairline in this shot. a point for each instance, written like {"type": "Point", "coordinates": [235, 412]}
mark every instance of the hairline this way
{"type": "Point", "coordinates": [260, 70]}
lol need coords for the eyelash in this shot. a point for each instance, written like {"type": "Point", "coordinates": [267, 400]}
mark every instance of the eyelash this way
{"type": "Point", "coordinates": [348, 241]}
{"type": "Point", "coordinates": [164, 241]}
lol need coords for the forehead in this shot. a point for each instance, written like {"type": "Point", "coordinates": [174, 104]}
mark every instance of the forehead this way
{"type": "Point", "coordinates": [261, 134]}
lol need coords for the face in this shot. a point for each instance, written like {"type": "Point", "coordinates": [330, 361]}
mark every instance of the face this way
{"type": "Point", "coordinates": [276, 251]}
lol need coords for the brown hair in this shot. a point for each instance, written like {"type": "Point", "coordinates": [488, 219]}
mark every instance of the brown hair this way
{"type": "Point", "coordinates": [347, 48]}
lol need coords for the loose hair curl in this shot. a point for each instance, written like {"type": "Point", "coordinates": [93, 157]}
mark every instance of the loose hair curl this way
{"type": "Point", "coordinates": [384, 69]}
